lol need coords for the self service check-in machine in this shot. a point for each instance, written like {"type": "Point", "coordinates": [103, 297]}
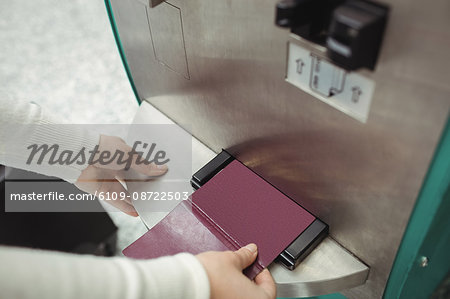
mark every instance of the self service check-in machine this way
{"type": "Point", "coordinates": [341, 105]}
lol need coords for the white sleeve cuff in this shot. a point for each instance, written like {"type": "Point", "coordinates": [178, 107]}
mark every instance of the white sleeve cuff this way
{"type": "Point", "coordinates": [179, 276]}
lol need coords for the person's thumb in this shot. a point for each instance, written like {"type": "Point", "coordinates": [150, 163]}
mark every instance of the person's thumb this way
{"type": "Point", "coordinates": [246, 255]}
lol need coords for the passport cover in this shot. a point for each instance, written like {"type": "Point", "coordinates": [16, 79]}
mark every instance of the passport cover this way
{"type": "Point", "coordinates": [234, 208]}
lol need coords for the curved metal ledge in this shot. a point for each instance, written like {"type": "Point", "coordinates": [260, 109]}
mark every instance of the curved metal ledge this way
{"type": "Point", "coordinates": [328, 269]}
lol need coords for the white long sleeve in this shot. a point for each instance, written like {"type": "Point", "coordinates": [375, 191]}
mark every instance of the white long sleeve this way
{"type": "Point", "coordinates": [23, 123]}
{"type": "Point", "coordinates": [26, 273]}
{"type": "Point", "coordinates": [29, 274]}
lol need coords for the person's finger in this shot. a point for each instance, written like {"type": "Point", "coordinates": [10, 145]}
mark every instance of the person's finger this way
{"type": "Point", "coordinates": [121, 176]}
{"type": "Point", "coordinates": [137, 162]}
{"type": "Point", "coordinates": [266, 282]}
{"type": "Point", "coordinates": [124, 207]}
{"type": "Point", "coordinates": [103, 184]}
{"type": "Point", "coordinates": [246, 255]}
{"type": "Point", "coordinates": [145, 168]}
{"type": "Point", "coordinates": [118, 195]}
{"type": "Point", "coordinates": [92, 177]}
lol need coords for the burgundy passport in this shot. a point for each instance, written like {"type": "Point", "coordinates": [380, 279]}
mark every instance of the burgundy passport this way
{"type": "Point", "coordinates": [234, 208]}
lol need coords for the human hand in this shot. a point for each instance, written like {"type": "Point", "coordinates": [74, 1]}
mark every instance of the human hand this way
{"type": "Point", "coordinates": [107, 177]}
{"type": "Point", "coordinates": [226, 279]}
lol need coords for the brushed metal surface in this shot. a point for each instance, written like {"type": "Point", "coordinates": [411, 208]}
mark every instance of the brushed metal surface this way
{"type": "Point", "coordinates": [329, 268]}
{"type": "Point", "coordinates": [166, 31]}
{"type": "Point", "coordinates": [362, 179]}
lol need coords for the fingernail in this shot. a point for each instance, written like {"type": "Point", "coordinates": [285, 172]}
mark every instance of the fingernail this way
{"type": "Point", "coordinates": [132, 213]}
{"type": "Point", "coordinates": [252, 247]}
{"type": "Point", "coordinates": [161, 167]}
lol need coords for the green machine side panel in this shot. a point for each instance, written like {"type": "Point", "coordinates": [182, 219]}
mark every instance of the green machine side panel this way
{"type": "Point", "coordinates": [120, 48]}
{"type": "Point", "coordinates": [423, 259]}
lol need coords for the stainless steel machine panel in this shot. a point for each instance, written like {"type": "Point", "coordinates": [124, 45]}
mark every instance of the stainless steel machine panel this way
{"type": "Point", "coordinates": [223, 70]}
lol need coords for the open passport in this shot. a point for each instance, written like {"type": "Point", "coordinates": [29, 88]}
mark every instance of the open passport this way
{"type": "Point", "coordinates": [232, 208]}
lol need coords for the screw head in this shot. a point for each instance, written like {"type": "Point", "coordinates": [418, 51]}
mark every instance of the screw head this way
{"type": "Point", "coordinates": [423, 261]}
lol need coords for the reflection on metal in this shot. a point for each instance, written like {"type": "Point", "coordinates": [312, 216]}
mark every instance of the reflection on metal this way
{"type": "Point", "coordinates": [360, 178]}
{"type": "Point", "coordinates": [327, 269]}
